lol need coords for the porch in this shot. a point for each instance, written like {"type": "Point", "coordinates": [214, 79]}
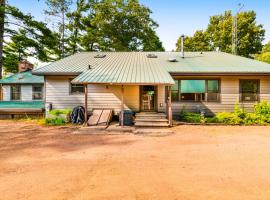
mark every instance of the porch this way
{"type": "Point", "coordinates": [151, 103]}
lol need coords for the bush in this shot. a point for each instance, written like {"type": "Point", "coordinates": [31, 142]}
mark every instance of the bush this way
{"type": "Point", "coordinates": [228, 118]}
{"type": "Point", "coordinates": [192, 117]}
{"type": "Point", "coordinates": [57, 121]}
{"type": "Point", "coordinates": [262, 110]}
{"type": "Point", "coordinates": [60, 112]}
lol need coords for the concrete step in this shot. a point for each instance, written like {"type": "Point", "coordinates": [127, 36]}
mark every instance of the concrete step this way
{"type": "Point", "coordinates": [150, 114]}
{"type": "Point", "coordinates": [151, 117]}
{"type": "Point", "coordinates": [151, 124]}
{"type": "Point", "coordinates": [143, 119]}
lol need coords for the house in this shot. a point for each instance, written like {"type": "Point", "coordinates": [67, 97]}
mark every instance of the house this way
{"type": "Point", "coordinates": [162, 82]}
{"type": "Point", "coordinates": [22, 93]}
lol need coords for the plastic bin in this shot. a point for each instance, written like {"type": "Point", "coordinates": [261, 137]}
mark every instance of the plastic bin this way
{"type": "Point", "coordinates": [128, 118]}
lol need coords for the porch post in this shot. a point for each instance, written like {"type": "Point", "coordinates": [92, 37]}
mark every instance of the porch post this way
{"type": "Point", "coordinates": [122, 106]}
{"type": "Point", "coordinates": [85, 103]}
{"type": "Point", "coordinates": [169, 106]}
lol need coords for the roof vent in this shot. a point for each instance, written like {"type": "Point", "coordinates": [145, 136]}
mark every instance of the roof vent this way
{"type": "Point", "coordinates": [151, 55]}
{"type": "Point", "coordinates": [100, 56]}
{"type": "Point", "coordinates": [172, 59]}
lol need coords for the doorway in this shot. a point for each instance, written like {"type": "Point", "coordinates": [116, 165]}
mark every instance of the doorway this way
{"type": "Point", "coordinates": [148, 97]}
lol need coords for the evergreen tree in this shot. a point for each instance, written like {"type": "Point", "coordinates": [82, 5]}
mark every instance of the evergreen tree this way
{"type": "Point", "coordinates": [14, 24]}
{"type": "Point", "coordinates": [58, 9]}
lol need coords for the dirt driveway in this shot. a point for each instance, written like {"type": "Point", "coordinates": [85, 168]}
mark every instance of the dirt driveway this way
{"type": "Point", "coordinates": [197, 162]}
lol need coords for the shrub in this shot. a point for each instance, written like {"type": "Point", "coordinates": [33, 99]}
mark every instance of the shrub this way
{"type": "Point", "coordinates": [192, 117]}
{"type": "Point", "coordinates": [260, 116]}
{"type": "Point", "coordinates": [239, 112]}
{"type": "Point", "coordinates": [60, 112]}
{"type": "Point", "coordinates": [228, 118]}
{"type": "Point", "coordinates": [57, 121]}
{"type": "Point", "coordinates": [262, 110]}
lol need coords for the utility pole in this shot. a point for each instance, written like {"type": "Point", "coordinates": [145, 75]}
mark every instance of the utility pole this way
{"type": "Point", "coordinates": [234, 29]}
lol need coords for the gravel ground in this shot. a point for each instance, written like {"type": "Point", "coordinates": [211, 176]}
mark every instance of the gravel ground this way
{"type": "Point", "coordinates": [194, 163]}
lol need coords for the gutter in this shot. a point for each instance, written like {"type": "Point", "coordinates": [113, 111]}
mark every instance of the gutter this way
{"type": "Point", "coordinates": [56, 73]}
{"type": "Point", "coordinates": [219, 73]}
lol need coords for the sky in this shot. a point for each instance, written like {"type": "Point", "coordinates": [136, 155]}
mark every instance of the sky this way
{"type": "Point", "coordinates": [177, 17]}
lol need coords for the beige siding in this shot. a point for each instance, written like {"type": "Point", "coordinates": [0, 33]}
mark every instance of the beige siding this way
{"type": "Point", "coordinates": [108, 96]}
{"type": "Point", "coordinates": [161, 104]}
{"type": "Point", "coordinates": [99, 96]}
{"type": "Point", "coordinates": [102, 96]}
{"type": "Point", "coordinates": [229, 96]}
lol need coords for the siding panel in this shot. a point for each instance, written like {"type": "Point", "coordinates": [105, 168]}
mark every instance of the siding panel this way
{"type": "Point", "coordinates": [99, 96]}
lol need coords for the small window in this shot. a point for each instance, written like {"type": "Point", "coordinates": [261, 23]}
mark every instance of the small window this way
{"type": "Point", "coordinates": [76, 88]}
{"type": "Point", "coordinates": [249, 90]}
{"type": "Point", "coordinates": [37, 92]}
{"type": "Point", "coordinates": [15, 92]}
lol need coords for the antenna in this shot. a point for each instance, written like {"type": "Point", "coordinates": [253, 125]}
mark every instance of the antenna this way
{"type": "Point", "coordinates": [234, 29]}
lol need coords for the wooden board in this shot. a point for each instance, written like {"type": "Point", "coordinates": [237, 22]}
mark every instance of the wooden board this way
{"type": "Point", "coordinates": [94, 119]}
{"type": "Point", "coordinates": [100, 117]}
{"type": "Point", "coordinates": [105, 117]}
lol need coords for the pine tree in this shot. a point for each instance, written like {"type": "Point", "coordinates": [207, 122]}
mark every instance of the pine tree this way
{"type": "Point", "coordinates": [15, 23]}
{"type": "Point", "coordinates": [58, 9]}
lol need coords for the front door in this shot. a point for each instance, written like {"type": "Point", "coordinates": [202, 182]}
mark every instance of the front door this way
{"type": "Point", "coordinates": [148, 98]}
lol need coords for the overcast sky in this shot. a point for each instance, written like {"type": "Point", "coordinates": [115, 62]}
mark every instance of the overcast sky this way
{"type": "Point", "coordinates": [176, 17]}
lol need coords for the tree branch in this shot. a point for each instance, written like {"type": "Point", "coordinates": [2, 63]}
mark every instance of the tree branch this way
{"type": "Point", "coordinates": [24, 27]}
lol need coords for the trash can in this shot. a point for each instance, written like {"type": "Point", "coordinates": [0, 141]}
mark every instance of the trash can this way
{"type": "Point", "coordinates": [128, 118]}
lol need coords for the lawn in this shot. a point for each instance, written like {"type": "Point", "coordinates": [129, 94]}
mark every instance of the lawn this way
{"type": "Point", "coordinates": [196, 162]}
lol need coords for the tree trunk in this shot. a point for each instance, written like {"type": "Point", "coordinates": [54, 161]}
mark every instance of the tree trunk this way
{"type": "Point", "coordinates": [2, 23]}
{"type": "Point", "coordinates": [63, 34]}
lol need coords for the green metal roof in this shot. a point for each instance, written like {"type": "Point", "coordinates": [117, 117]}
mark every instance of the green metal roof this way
{"type": "Point", "coordinates": [213, 62]}
{"type": "Point", "coordinates": [117, 69]}
{"type": "Point", "coordinates": [136, 67]}
{"type": "Point", "coordinates": [23, 78]}
{"type": "Point", "coordinates": [22, 104]}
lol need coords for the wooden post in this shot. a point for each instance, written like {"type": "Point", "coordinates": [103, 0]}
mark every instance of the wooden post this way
{"type": "Point", "coordinates": [122, 106]}
{"type": "Point", "coordinates": [170, 106]}
{"type": "Point", "coordinates": [85, 103]}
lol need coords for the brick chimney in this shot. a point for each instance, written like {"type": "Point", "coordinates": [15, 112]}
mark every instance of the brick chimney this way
{"type": "Point", "coordinates": [25, 65]}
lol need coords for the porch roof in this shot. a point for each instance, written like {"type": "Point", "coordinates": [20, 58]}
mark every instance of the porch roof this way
{"type": "Point", "coordinates": [23, 78]}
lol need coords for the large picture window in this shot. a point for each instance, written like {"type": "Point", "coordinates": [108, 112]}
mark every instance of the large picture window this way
{"type": "Point", "coordinates": [196, 90]}
{"type": "Point", "coordinates": [249, 90]}
{"type": "Point", "coordinates": [15, 91]}
{"type": "Point", "coordinates": [37, 91]}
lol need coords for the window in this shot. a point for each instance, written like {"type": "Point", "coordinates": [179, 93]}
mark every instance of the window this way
{"type": "Point", "coordinates": [76, 88]}
{"type": "Point", "coordinates": [175, 91]}
{"type": "Point", "coordinates": [15, 92]}
{"type": "Point", "coordinates": [249, 90]}
{"type": "Point", "coordinates": [196, 90]}
{"type": "Point", "coordinates": [213, 90]}
{"type": "Point", "coordinates": [37, 92]}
